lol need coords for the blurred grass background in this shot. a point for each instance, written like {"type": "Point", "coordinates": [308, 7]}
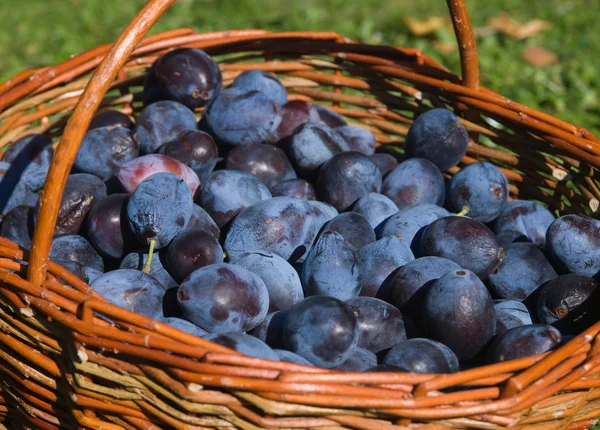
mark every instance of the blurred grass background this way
{"type": "Point", "coordinates": [42, 32]}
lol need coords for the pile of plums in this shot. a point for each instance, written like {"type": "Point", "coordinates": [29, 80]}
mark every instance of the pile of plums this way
{"type": "Point", "coordinates": [275, 228]}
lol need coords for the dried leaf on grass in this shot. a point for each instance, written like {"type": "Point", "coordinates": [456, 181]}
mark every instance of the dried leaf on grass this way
{"type": "Point", "coordinates": [539, 57]}
{"type": "Point", "coordinates": [507, 25]}
{"type": "Point", "coordinates": [423, 28]}
{"type": "Point", "coordinates": [445, 47]}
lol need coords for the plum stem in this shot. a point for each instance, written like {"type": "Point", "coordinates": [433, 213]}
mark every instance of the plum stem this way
{"type": "Point", "coordinates": [465, 210]}
{"type": "Point", "coordinates": [146, 269]}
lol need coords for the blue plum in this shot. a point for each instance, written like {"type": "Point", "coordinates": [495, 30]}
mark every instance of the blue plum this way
{"type": "Point", "coordinates": [353, 227]}
{"type": "Point", "coordinates": [330, 117]}
{"type": "Point", "coordinates": [107, 227]}
{"type": "Point", "coordinates": [438, 136]}
{"type": "Point", "coordinates": [559, 297]}
{"type": "Point", "coordinates": [510, 314]}
{"type": "Point", "coordinates": [312, 145]}
{"type": "Point", "coordinates": [298, 188]}
{"type": "Point", "coordinates": [259, 80]}
{"type": "Point", "coordinates": [384, 162]}
{"type": "Point", "coordinates": [294, 114]}
{"type": "Point", "coordinates": [244, 344]}
{"type": "Point", "coordinates": [201, 220]}
{"type": "Point", "coordinates": [375, 208]}
{"type": "Point", "coordinates": [30, 156]}
{"type": "Point", "coordinates": [523, 341]}
{"type": "Point", "coordinates": [270, 329]}
{"type": "Point", "coordinates": [290, 357]}
{"type": "Point", "coordinates": [414, 182]}
{"type": "Point", "coordinates": [422, 356]}
{"type": "Point", "coordinates": [110, 118]}
{"type": "Point", "coordinates": [223, 297]}
{"type": "Point", "coordinates": [189, 251]}
{"type": "Point", "coordinates": [325, 212]}
{"type": "Point", "coordinates": [76, 248]}
{"type": "Point", "coordinates": [17, 226]}
{"type": "Point", "coordinates": [137, 260]}
{"type": "Point", "coordinates": [530, 218]}
{"type": "Point", "coordinates": [508, 237]}
{"type": "Point", "coordinates": [185, 326]}
{"type": "Point", "coordinates": [359, 139]}
{"type": "Point", "coordinates": [196, 149]}
{"type": "Point", "coordinates": [360, 360]}
{"type": "Point", "coordinates": [267, 162]}
{"type": "Point", "coordinates": [481, 187]}
{"type": "Point", "coordinates": [13, 191]}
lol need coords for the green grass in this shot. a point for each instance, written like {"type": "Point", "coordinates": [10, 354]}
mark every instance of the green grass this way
{"type": "Point", "coordinates": [42, 32]}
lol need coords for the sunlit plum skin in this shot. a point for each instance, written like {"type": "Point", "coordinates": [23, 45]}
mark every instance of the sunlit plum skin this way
{"type": "Point", "coordinates": [132, 290]}
{"type": "Point", "coordinates": [573, 243]}
{"type": "Point", "coordinates": [508, 237]}
{"type": "Point", "coordinates": [439, 136]}
{"type": "Point", "coordinates": [377, 260]}
{"type": "Point", "coordinates": [467, 242]}
{"type": "Point", "coordinates": [530, 218]}
{"type": "Point", "coordinates": [267, 162]}
{"type": "Point", "coordinates": [347, 177]}
{"type": "Point", "coordinates": [360, 360]}
{"type": "Point", "coordinates": [353, 227]}
{"type": "Point", "coordinates": [384, 162]}
{"type": "Point", "coordinates": [380, 324]}
{"type": "Point", "coordinates": [196, 149]}
{"type": "Point", "coordinates": [110, 118]}
{"type": "Point", "coordinates": [223, 297]}
{"type": "Point", "coordinates": [282, 225]}
{"type": "Point", "coordinates": [107, 227]}
{"type": "Point", "coordinates": [280, 278]}
{"type": "Point", "coordinates": [482, 188]}
{"type": "Point", "coordinates": [458, 311]}
{"type": "Point", "coordinates": [375, 208]}
{"type": "Point", "coordinates": [298, 188]}
{"type": "Point", "coordinates": [523, 269]}
{"type": "Point", "coordinates": [359, 139]}
{"type": "Point", "coordinates": [290, 357]}
{"type": "Point", "coordinates": [422, 356]}
{"type": "Point", "coordinates": [31, 199]}
{"type": "Point", "coordinates": [312, 145]}
{"type": "Point", "coordinates": [201, 220]}
{"type": "Point", "coordinates": [185, 326]}
{"type": "Point", "coordinates": [510, 314]}
{"type": "Point", "coordinates": [12, 190]}
{"type": "Point", "coordinates": [191, 250]}
{"type": "Point", "coordinates": [325, 342]}
{"type": "Point", "coordinates": [258, 80]}
{"type": "Point", "coordinates": [162, 122]}
{"type": "Point", "coordinates": [76, 248]}
{"type": "Point", "coordinates": [226, 193]}
{"type": "Point", "coordinates": [188, 76]}
{"type": "Point", "coordinates": [330, 268]}
{"type": "Point", "coordinates": [523, 341]}
{"type": "Point", "coordinates": [270, 329]}
{"type": "Point", "coordinates": [415, 181]}
{"type": "Point", "coordinates": [245, 344]}
{"type": "Point", "coordinates": [239, 117]}
{"type": "Point", "coordinates": [137, 260]}
{"type": "Point", "coordinates": [17, 226]}
{"type": "Point", "coordinates": [104, 150]}
{"type": "Point", "coordinates": [329, 117]}
{"type": "Point", "coordinates": [30, 156]}
{"type": "Point", "coordinates": [294, 114]}
{"type": "Point", "coordinates": [562, 295]}
{"type": "Point", "coordinates": [131, 174]}
{"type": "Point", "coordinates": [410, 222]}
{"type": "Point", "coordinates": [159, 208]}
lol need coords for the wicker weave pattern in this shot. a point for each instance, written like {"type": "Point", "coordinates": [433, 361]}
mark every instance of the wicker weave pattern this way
{"type": "Point", "coordinates": [64, 366]}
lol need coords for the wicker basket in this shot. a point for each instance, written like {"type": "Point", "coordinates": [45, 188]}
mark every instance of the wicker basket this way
{"type": "Point", "coordinates": [63, 366]}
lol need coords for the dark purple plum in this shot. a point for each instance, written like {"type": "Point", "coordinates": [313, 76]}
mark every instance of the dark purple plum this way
{"type": "Point", "coordinates": [508, 237]}
{"type": "Point", "coordinates": [290, 357]}
{"type": "Point", "coordinates": [458, 311]}
{"type": "Point", "coordinates": [245, 344]}
{"type": "Point", "coordinates": [282, 225]}
{"type": "Point", "coordinates": [482, 188]}
{"type": "Point", "coordinates": [422, 356]}
{"type": "Point", "coordinates": [76, 248]}
{"type": "Point", "coordinates": [562, 295]}
{"type": "Point", "coordinates": [347, 177]}
{"type": "Point", "coordinates": [13, 191]}
{"type": "Point", "coordinates": [196, 149]}
{"type": "Point", "coordinates": [201, 220]}
{"type": "Point", "coordinates": [270, 330]}
{"type": "Point", "coordinates": [467, 242]}
{"type": "Point", "coordinates": [152, 92]}
{"type": "Point", "coordinates": [75, 268]}
{"type": "Point", "coordinates": [103, 150]}
{"type": "Point", "coordinates": [523, 269]}
{"type": "Point", "coordinates": [267, 162]}
{"type": "Point", "coordinates": [259, 80]}
{"type": "Point", "coordinates": [360, 360]}
{"type": "Point", "coordinates": [523, 341]}
{"type": "Point", "coordinates": [188, 76]}
{"type": "Point", "coordinates": [359, 139]}
{"type": "Point", "coordinates": [137, 260]}
{"type": "Point", "coordinates": [17, 225]}
{"type": "Point", "coordinates": [388, 368]}
{"type": "Point", "coordinates": [240, 117]}
{"type": "Point", "coordinates": [330, 268]}
{"type": "Point", "coordinates": [325, 212]}
{"type": "Point", "coordinates": [325, 342]}
{"type": "Point", "coordinates": [530, 218]}
{"type": "Point", "coordinates": [330, 117]}
{"type": "Point", "coordinates": [384, 162]}
{"type": "Point", "coordinates": [375, 208]}
{"type": "Point", "coordinates": [573, 243]}
{"type": "Point", "coordinates": [298, 188]}
{"type": "Point", "coordinates": [223, 297]}
{"type": "Point", "coordinates": [110, 118]}
{"type": "Point", "coordinates": [438, 136]}
{"type": "Point", "coordinates": [108, 229]}
{"type": "Point", "coordinates": [226, 193]}
{"type": "Point", "coordinates": [510, 314]}
{"type": "Point", "coordinates": [377, 260]}
{"type": "Point", "coordinates": [281, 279]}
{"type": "Point", "coordinates": [294, 114]}
{"type": "Point", "coordinates": [353, 227]}
{"type": "Point", "coordinates": [185, 326]}
{"type": "Point", "coordinates": [414, 182]}
{"type": "Point", "coordinates": [312, 145]}
{"type": "Point", "coordinates": [162, 122]}
{"type": "Point", "coordinates": [132, 290]}
{"type": "Point", "coordinates": [189, 251]}
{"type": "Point", "coordinates": [380, 324]}
{"type": "Point", "coordinates": [30, 156]}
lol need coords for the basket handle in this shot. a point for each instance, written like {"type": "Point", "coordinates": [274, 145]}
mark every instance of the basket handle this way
{"type": "Point", "coordinates": [75, 129]}
{"type": "Point", "coordinates": [467, 46]}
